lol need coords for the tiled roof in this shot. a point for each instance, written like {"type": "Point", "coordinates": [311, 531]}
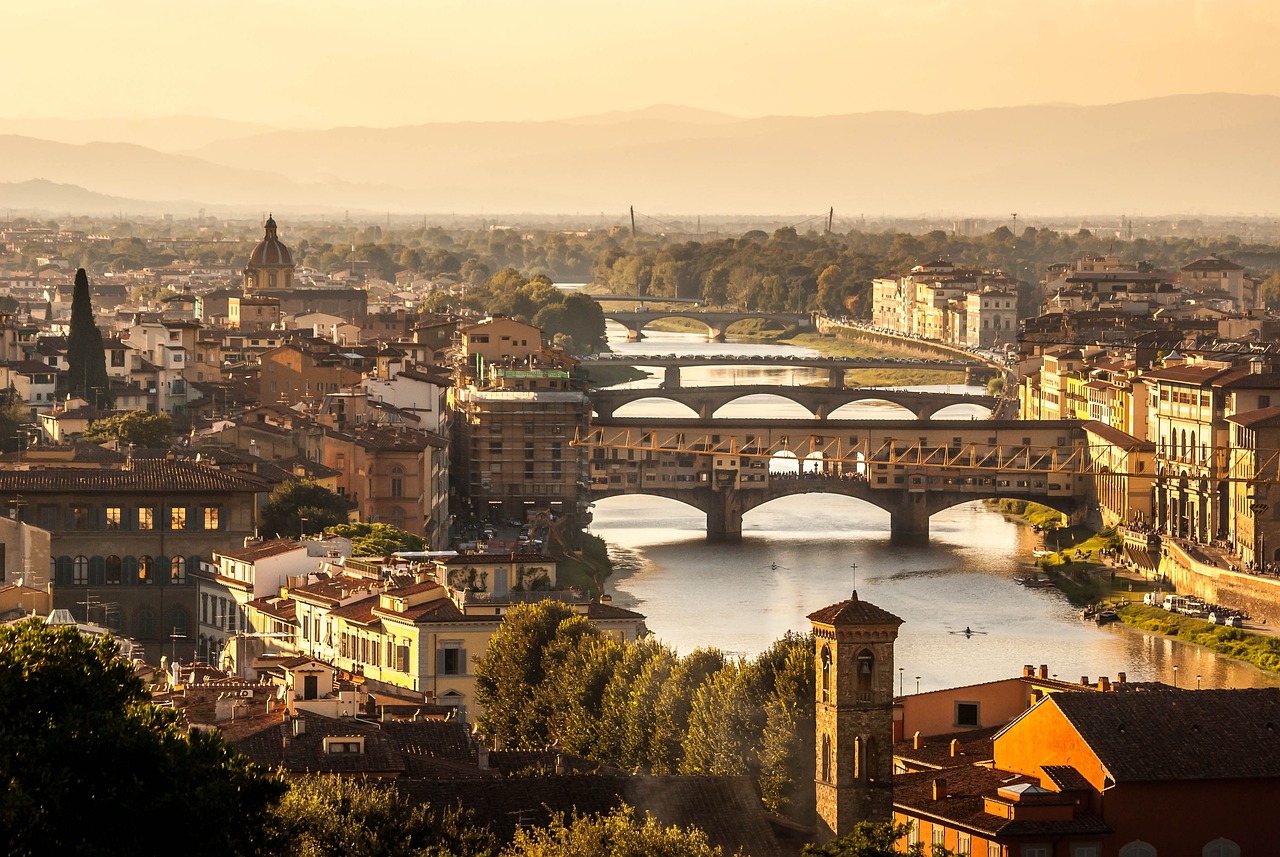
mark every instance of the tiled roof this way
{"type": "Point", "coordinates": [1262, 417]}
{"type": "Point", "coordinates": [725, 808]}
{"type": "Point", "coordinates": [935, 750]}
{"type": "Point", "coordinates": [1113, 435]}
{"type": "Point", "coordinates": [262, 550]}
{"type": "Point", "coordinates": [963, 805]}
{"type": "Point", "coordinates": [598, 611]}
{"type": "Point", "coordinates": [140, 475]}
{"type": "Point", "coordinates": [1066, 778]}
{"type": "Point", "coordinates": [358, 611]}
{"type": "Point", "coordinates": [853, 612]}
{"type": "Point", "coordinates": [1214, 734]}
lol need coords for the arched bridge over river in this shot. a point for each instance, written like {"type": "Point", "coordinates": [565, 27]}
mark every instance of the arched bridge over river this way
{"type": "Point", "coordinates": [717, 321]}
{"type": "Point", "coordinates": [910, 468]}
{"type": "Point", "coordinates": [819, 401]}
{"type": "Point", "coordinates": [835, 367]}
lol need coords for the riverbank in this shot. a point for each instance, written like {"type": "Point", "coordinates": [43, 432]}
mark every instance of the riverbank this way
{"type": "Point", "coordinates": [1261, 650]}
{"type": "Point", "coordinates": [836, 346]}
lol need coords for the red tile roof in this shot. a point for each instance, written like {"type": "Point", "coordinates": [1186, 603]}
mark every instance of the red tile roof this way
{"type": "Point", "coordinates": [853, 612]}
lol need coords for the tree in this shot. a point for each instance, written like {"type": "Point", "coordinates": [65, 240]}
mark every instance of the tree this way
{"type": "Point", "coordinates": [89, 766]}
{"type": "Point", "coordinates": [616, 834]}
{"type": "Point", "coordinates": [334, 816]}
{"type": "Point", "coordinates": [511, 675]}
{"type": "Point", "coordinates": [378, 539]}
{"type": "Point", "coordinates": [873, 839]}
{"type": "Point", "coordinates": [14, 413]}
{"type": "Point", "coordinates": [136, 428]}
{"type": "Point", "coordinates": [301, 506]}
{"type": "Point", "coordinates": [86, 355]}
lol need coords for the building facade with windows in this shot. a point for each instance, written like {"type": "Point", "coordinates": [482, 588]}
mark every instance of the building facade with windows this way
{"type": "Point", "coordinates": [126, 537]}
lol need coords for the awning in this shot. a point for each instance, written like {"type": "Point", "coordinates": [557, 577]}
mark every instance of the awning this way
{"type": "Point", "coordinates": [1142, 558]}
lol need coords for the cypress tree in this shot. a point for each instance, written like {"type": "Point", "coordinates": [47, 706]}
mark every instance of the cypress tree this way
{"type": "Point", "coordinates": [86, 355]}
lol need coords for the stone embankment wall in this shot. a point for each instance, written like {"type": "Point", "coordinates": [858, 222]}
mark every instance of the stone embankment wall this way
{"type": "Point", "coordinates": [1257, 594]}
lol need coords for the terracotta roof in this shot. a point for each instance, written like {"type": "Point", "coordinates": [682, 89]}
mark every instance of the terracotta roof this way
{"type": "Point", "coordinates": [853, 612]}
{"type": "Point", "coordinates": [1066, 778]}
{"type": "Point", "coordinates": [1187, 374]}
{"type": "Point", "coordinates": [1113, 435]}
{"type": "Point", "coordinates": [262, 550]}
{"type": "Point", "coordinates": [141, 475]}
{"type": "Point", "coordinates": [1217, 734]}
{"type": "Point", "coordinates": [935, 750]}
{"type": "Point", "coordinates": [1212, 263]}
{"type": "Point", "coordinates": [358, 611]}
{"type": "Point", "coordinates": [1260, 418]}
{"type": "Point", "coordinates": [725, 808]}
{"type": "Point", "coordinates": [963, 805]}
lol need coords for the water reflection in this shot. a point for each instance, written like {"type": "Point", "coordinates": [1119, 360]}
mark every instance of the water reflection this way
{"type": "Point", "coordinates": [801, 553]}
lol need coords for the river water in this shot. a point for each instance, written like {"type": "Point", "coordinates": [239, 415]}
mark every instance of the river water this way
{"type": "Point", "coordinates": [799, 554]}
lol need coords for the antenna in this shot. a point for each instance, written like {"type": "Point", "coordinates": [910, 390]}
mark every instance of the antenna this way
{"type": "Point", "coordinates": [633, 221]}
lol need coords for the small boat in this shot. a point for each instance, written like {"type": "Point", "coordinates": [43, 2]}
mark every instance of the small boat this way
{"type": "Point", "coordinates": [1105, 616]}
{"type": "Point", "coordinates": [1021, 581]}
{"type": "Point", "coordinates": [1038, 553]}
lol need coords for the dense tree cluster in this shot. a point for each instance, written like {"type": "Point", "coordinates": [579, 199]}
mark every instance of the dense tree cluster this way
{"type": "Point", "coordinates": [551, 677]}
{"type": "Point", "coordinates": [135, 428]}
{"type": "Point", "coordinates": [378, 539]}
{"type": "Point", "coordinates": [301, 507]}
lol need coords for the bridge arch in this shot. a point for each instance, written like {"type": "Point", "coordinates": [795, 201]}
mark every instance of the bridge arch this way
{"type": "Point", "coordinates": [964, 411]}
{"type": "Point", "coordinates": [780, 405]}
{"type": "Point", "coordinates": [885, 409]}
{"type": "Point", "coordinates": [635, 407]}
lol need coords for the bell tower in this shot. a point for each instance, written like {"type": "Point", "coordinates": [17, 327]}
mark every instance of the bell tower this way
{"type": "Point", "coordinates": [854, 715]}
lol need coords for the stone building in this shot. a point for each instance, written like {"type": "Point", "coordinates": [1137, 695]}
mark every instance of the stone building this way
{"type": "Point", "coordinates": [854, 716]}
{"type": "Point", "coordinates": [270, 264]}
{"type": "Point", "coordinates": [126, 536]}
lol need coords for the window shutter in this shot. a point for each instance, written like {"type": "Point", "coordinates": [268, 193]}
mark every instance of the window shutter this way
{"type": "Point", "coordinates": [462, 662]}
{"type": "Point", "coordinates": [440, 662]}
{"type": "Point", "coordinates": [403, 658]}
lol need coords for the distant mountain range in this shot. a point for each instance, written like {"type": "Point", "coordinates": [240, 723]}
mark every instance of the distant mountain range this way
{"type": "Point", "coordinates": [1191, 154]}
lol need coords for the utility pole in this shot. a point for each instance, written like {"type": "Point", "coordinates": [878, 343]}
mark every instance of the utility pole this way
{"type": "Point", "coordinates": [633, 221]}
{"type": "Point", "coordinates": [831, 218]}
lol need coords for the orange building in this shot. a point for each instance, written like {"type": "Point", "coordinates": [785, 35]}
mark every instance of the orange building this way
{"type": "Point", "coordinates": [1134, 773]}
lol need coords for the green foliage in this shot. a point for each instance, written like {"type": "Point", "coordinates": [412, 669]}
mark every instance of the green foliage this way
{"type": "Point", "coordinates": [330, 816]}
{"type": "Point", "coordinates": [995, 387]}
{"type": "Point", "coordinates": [137, 428]}
{"type": "Point", "coordinates": [616, 834]}
{"type": "Point", "coordinates": [89, 766]}
{"type": "Point", "coordinates": [549, 676]}
{"type": "Point", "coordinates": [378, 539]}
{"type": "Point", "coordinates": [14, 414]}
{"type": "Point", "coordinates": [292, 501]}
{"type": "Point", "coordinates": [874, 839]}
{"type": "Point", "coordinates": [1257, 649]}
{"type": "Point", "coordinates": [86, 354]}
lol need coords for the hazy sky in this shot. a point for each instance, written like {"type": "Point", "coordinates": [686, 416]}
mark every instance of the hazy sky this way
{"type": "Point", "coordinates": [387, 62]}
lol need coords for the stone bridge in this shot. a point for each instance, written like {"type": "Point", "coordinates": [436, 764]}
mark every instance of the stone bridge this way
{"type": "Point", "coordinates": [912, 469]}
{"type": "Point", "coordinates": [717, 321]}
{"type": "Point", "coordinates": [819, 401]}
{"type": "Point", "coordinates": [671, 364]}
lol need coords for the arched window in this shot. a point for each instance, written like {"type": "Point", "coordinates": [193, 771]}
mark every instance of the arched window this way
{"type": "Point", "coordinates": [1184, 443]}
{"type": "Point", "coordinates": [97, 570]}
{"type": "Point", "coordinates": [179, 621]}
{"type": "Point", "coordinates": [80, 570]}
{"type": "Point", "coordinates": [129, 569]}
{"type": "Point", "coordinates": [1138, 848]}
{"type": "Point", "coordinates": [826, 673]}
{"type": "Point", "coordinates": [1221, 848]}
{"type": "Point", "coordinates": [866, 670]}
{"type": "Point", "coordinates": [146, 570]}
{"type": "Point", "coordinates": [114, 569]}
{"type": "Point", "coordinates": [144, 623]}
{"type": "Point", "coordinates": [826, 758]}
{"type": "Point", "coordinates": [397, 481]}
{"type": "Point", "coordinates": [178, 569]}
{"type": "Point", "coordinates": [857, 758]}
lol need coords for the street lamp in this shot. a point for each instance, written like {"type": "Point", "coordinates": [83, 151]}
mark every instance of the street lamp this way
{"type": "Point", "coordinates": [1197, 682]}
{"type": "Point", "coordinates": [302, 526]}
{"type": "Point", "coordinates": [917, 684]}
{"type": "Point", "coordinates": [1175, 675]}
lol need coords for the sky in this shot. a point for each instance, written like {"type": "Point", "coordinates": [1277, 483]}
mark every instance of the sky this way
{"type": "Point", "coordinates": [322, 63]}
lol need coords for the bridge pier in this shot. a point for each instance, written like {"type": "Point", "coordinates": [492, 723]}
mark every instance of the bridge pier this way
{"type": "Point", "coordinates": [634, 335]}
{"type": "Point", "coordinates": [835, 378]}
{"type": "Point", "coordinates": [909, 522]}
{"type": "Point", "coordinates": [717, 335]}
{"type": "Point", "coordinates": [724, 517]}
{"type": "Point", "coordinates": [671, 378]}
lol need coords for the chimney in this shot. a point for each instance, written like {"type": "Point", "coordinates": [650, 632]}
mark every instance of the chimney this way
{"type": "Point", "coordinates": [1104, 684]}
{"type": "Point", "coordinates": [1121, 678]}
{"type": "Point", "coordinates": [482, 756]}
{"type": "Point", "coordinates": [1084, 681]}
{"type": "Point", "coordinates": [939, 789]}
{"type": "Point", "coordinates": [955, 745]}
{"type": "Point", "coordinates": [915, 741]}
{"type": "Point", "coordinates": [299, 726]}
{"type": "Point", "coordinates": [1028, 671]}
{"type": "Point", "coordinates": [560, 765]}
{"type": "Point", "coordinates": [1044, 671]}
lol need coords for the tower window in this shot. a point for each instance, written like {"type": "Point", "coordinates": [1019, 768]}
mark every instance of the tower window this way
{"type": "Point", "coordinates": [866, 671]}
{"type": "Point", "coordinates": [826, 674]}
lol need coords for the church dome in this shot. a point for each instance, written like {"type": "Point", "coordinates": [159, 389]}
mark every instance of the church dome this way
{"type": "Point", "coordinates": [270, 253]}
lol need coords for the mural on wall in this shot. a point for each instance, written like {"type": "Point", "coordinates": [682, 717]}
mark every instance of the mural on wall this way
{"type": "Point", "coordinates": [470, 579]}
{"type": "Point", "coordinates": [536, 579]}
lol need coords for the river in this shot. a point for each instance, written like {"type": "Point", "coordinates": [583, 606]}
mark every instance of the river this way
{"type": "Point", "coordinates": [799, 554]}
